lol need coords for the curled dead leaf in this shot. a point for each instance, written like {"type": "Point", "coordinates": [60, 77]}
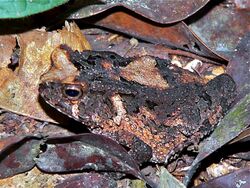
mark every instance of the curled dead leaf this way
{"type": "Point", "coordinates": [19, 88]}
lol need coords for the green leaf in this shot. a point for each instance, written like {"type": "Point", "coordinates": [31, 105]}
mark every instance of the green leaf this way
{"type": "Point", "coordinates": [168, 180]}
{"type": "Point", "coordinates": [22, 8]}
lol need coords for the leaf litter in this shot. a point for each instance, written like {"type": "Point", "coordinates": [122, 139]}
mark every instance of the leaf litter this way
{"type": "Point", "coordinates": [19, 88]}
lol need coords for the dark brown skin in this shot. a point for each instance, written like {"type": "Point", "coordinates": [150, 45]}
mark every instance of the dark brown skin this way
{"type": "Point", "coordinates": [144, 103]}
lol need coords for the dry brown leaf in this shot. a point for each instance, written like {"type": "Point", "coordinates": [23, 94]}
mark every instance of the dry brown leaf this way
{"type": "Point", "coordinates": [32, 179]}
{"type": "Point", "coordinates": [7, 44]}
{"type": "Point", "coordinates": [19, 88]}
{"type": "Point", "coordinates": [62, 68]}
{"type": "Point", "coordinates": [149, 76]}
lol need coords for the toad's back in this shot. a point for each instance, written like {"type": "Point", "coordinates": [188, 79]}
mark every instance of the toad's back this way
{"type": "Point", "coordinates": [145, 99]}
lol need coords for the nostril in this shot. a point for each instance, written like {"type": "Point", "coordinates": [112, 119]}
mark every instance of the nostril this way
{"type": "Point", "coordinates": [42, 87]}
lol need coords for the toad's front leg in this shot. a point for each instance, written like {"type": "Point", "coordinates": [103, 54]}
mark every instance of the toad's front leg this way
{"type": "Point", "coordinates": [137, 149]}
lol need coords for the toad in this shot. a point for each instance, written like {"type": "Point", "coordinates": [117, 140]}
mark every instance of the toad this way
{"type": "Point", "coordinates": [144, 103]}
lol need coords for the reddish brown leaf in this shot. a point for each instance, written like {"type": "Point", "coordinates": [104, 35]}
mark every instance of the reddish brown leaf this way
{"type": "Point", "coordinates": [87, 151]}
{"type": "Point", "coordinates": [175, 36]}
{"type": "Point", "coordinates": [7, 44]}
{"type": "Point", "coordinates": [9, 141]}
{"type": "Point", "coordinates": [19, 156]}
{"type": "Point", "coordinates": [87, 179]}
{"type": "Point", "coordinates": [162, 11]}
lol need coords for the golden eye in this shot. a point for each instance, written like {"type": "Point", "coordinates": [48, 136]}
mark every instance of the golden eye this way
{"type": "Point", "coordinates": [72, 91]}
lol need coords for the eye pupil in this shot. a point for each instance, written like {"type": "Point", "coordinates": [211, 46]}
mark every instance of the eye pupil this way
{"type": "Point", "coordinates": [72, 92]}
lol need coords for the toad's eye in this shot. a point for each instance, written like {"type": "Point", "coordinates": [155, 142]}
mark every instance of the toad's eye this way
{"type": "Point", "coordinates": [72, 92]}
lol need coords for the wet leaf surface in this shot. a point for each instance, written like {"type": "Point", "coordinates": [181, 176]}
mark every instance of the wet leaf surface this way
{"type": "Point", "coordinates": [240, 178]}
{"type": "Point", "coordinates": [222, 27]}
{"type": "Point", "coordinates": [174, 36]}
{"type": "Point", "coordinates": [18, 156]}
{"type": "Point", "coordinates": [162, 11]}
{"type": "Point", "coordinates": [239, 66]}
{"type": "Point", "coordinates": [7, 142]}
{"type": "Point", "coordinates": [87, 179]}
{"type": "Point", "coordinates": [84, 152]}
{"type": "Point", "coordinates": [68, 154]}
